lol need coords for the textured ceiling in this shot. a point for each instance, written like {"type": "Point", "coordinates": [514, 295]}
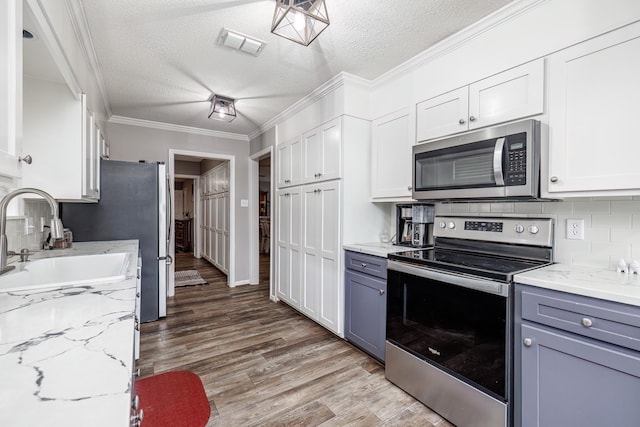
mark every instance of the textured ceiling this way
{"type": "Point", "coordinates": [160, 59]}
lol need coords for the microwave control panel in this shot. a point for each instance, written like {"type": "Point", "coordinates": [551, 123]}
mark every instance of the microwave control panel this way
{"type": "Point", "coordinates": [516, 170]}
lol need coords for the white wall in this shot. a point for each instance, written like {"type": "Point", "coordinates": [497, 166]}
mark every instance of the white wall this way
{"type": "Point", "coordinates": [133, 143]}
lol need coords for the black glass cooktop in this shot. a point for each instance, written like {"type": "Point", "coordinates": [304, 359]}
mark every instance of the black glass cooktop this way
{"type": "Point", "coordinates": [478, 264]}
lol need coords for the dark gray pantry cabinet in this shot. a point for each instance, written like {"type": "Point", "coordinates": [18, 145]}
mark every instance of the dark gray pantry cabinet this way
{"type": "Point", "coordinates": [366, 302]}
{"type": "Point", "coordinates": [577, 360]}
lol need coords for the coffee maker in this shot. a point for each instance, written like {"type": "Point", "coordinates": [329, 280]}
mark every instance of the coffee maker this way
{"type": "Point", "coordinates": [414, 225]}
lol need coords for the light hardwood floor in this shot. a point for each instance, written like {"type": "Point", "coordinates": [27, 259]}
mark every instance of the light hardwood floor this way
{"type": "Point", "coordinates": [263, 364]}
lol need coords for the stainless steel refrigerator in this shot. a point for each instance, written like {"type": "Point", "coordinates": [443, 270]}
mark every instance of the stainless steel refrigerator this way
{"type": "Point", "coordinates": [133, 205]}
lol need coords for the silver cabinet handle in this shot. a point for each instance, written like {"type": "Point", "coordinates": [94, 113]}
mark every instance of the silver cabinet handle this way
{"type": "Point", "coordinates": [135, 403]}
{"type": "Point", "coordinates": [381, 291]}
{"type": "Point", "coordinates": [364, 264]}
{"type": "Point", "coordinates": [553, 179]}
{"type": "Point", "coordinates": [136, 323]}
{"type": "Point", "coordinates": [472, 119]}
{"type": "Point", "coordinates": [586, 322]}
{"type": "Point", "coordinates": [462, 121]}
{"type": "Point", "coordinates": [27, 159]}
{"type": "Point", "coordinates": [136, 420]}
{"type": "Point", "coordinates": [527, 342]}
{"type": "Point", "coordinates": [409, 188]}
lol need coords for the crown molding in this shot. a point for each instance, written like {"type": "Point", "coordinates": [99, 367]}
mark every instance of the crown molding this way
{"type": "Point", "coordinates": [176, 128]}
{"type": "Point", "coordinates": [460, 38]}
{"type": "Point", "coordinates": [327, 87]}
{"type": "Point", "coordinates": [83, 36]}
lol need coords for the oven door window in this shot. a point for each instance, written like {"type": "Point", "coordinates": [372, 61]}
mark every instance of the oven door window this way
{"type": "Point", "coordinates": [461, 330]}
{"type": "Point", "coordinates": [465, 166]}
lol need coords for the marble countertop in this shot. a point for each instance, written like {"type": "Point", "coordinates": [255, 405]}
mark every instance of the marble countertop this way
{"type": "Point", "coordinates": [584, 280]}
{"type": "Point", "coordinates": [66, 355]}
{"type": "Point", "coordinates": [376, 248]}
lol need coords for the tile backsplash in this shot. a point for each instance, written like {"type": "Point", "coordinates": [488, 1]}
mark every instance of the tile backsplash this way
{"type": "Point", "coordinates": [611, 227]}
{"type": "Point", "coordinates": [23, 229]}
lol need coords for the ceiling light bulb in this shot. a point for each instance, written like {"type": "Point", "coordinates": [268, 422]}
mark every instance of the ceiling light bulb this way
{"type": "Point", "coordinates": [299, 22]}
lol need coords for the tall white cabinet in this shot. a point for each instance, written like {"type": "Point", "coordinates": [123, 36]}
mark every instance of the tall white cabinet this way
{"type": "Point", "coordinates": [329, 207]}
{"type": "Point", "coordinates": [214, 202]}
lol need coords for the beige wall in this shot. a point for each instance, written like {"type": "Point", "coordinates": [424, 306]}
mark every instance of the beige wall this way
{"type": "Point", "coordinates": [135, 142]}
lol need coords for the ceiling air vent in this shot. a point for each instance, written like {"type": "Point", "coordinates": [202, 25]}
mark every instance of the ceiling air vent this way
{"type": "Point", "coordinates": [241, 42]}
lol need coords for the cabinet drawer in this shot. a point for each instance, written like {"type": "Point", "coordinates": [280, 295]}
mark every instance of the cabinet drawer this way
{"type": "Point", "coordinates": [606, 321]}
{"type": "Point", "coordinates": [369, 264]}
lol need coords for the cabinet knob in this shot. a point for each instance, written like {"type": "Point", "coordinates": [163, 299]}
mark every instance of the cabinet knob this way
{"type": "Point", "coordinates": [462, 121]}
{"type": "Point", "coordinates": [586, 322]}
{"type": "Point", "coordinates": [553, 179]}
{"type": "Point", "coordinates": [472, 119]}
{"type": "Point", "coordinates": [409, 188]}
{"type": "Point", "coordinates": [364, 264]}
{"type": "Point", "coordinates": [136, 420]}
{"type": "Point", "coordinates": [527, 342]}
{"type": "Point", "coordinates": [136, 323]}
{"type": "Point", "coordinates": [27, 159]}
{"type": "Point", "coordinates": [381, 291]}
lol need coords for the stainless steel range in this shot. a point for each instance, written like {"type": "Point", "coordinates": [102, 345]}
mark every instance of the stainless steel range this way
{"type": "Point", "coordinates": [450, 315]}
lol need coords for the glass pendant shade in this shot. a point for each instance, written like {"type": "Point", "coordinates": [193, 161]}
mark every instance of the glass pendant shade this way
{"type": "Point", "coordinates": [300, 21]}
{"type": "Point", "coordinates": [222, 108]}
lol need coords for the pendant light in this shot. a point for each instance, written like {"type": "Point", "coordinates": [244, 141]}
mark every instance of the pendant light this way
{"type": "Point", "coordinates": [300, 21]}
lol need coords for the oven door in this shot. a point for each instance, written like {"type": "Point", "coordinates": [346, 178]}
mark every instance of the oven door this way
{"type": "Point", "coordinates": [456, 323]}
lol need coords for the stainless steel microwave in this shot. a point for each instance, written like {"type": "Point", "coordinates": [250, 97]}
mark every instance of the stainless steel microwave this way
{"type": "Point", "coordinates": [500, 162]}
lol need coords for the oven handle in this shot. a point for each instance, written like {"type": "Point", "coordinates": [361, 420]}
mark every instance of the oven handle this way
{"type": "Point", "coordinates": [498, 153]}
{"type": "Point", "coordinates": [483, 285]}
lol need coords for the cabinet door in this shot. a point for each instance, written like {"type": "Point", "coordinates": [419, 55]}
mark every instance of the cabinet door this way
{"type": "Point", "coordinates": [366, 312]}
{"type": "Point", "coordinates": [331, 303]}
{"type": "Point", "coordinates": [593, 108]}
{"type": "Point", "coordinates": [321, 285]}
{"type": "Point", "coordinates": [510, 95]}
{"type": "Point", "coordinates": [289, 228]}
{"type": "Point", "coordinates": [289, 168]}
{"type": "Point", "coordinates": [392, 142]}
{"type": "Point", "coordinates": [443, 115]}
{"type": "Point", "coordinates": [322, 152]}
{"type": "Point", "coordinates": [574, 381]}
{"type": "Point", "coordinates": [10, 86]}
{"type": "Point", "coordinates": [311, 235]}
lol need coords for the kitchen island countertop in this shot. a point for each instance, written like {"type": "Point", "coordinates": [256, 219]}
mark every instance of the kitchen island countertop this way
{"type": "Point", "coordinates": [589, 281]}
{"type": "Point", "coordinates": [66, 355]}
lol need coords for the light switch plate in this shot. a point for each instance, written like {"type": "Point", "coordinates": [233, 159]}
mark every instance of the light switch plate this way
{"type": "Point", "coordinates": [575, 229]}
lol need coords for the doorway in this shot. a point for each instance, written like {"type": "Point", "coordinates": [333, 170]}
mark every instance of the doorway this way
{"type": "Point", "coordinates": [192, 212]}
{"type": "Point", "coordinates": [264, 219]}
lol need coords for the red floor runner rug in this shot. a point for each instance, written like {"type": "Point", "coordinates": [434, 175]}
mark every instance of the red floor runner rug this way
{"type": "Point", "coordinates": [173, 399]}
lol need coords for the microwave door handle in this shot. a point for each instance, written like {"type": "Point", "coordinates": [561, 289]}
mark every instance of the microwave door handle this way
{"type": "Point", "coordinates": [498, 152]}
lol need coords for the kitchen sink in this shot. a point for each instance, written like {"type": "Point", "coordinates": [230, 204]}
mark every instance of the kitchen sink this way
{"type": "Point", "coordinates": [62, 271]}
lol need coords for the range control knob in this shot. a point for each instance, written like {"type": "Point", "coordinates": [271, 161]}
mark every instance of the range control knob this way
{"type": "Point", "coordinates": [452, 225]}
{"type": "Point", "coordinates": [519, 228]}
{"type": "Point", "coordinates": [442, 224]}
{"type": "Point", "coordinates": [533, 229]}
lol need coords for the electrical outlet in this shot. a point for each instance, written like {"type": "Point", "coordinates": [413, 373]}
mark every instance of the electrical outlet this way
{"type": "Point", "coordinates": [575, 229]}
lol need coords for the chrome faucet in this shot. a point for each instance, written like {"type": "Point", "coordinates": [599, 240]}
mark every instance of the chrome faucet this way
{"type": "Point", "coordinates": [57, 230]}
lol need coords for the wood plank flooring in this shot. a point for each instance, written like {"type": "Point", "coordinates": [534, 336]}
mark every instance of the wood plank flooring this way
{"type": "Point", "coordinates": [264, 364]}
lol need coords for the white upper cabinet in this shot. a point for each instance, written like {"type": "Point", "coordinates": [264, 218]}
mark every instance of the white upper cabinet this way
{"type": "Point", "coordinates": [10, 86]}
{"type": "Point", "coordinates": [392, 140]}
{"type": "Point", "coordinates": [62, 138]}
{"type": "Point", "coordinates": [443, 115]}
{"type": "Point", "coordinates": [322, 152]}
{"type": "Point", "coordinates": [593, 111]}
{"type": "Point", "coordinates": [510, 95]}
{"type": "Point", "coordinates": [289, 163]}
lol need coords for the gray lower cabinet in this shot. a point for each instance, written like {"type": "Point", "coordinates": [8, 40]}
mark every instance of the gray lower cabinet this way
{"type": "Point", "coordinates": [579, 360]}
{"type": "Point", "coordinates": [366, 302]}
